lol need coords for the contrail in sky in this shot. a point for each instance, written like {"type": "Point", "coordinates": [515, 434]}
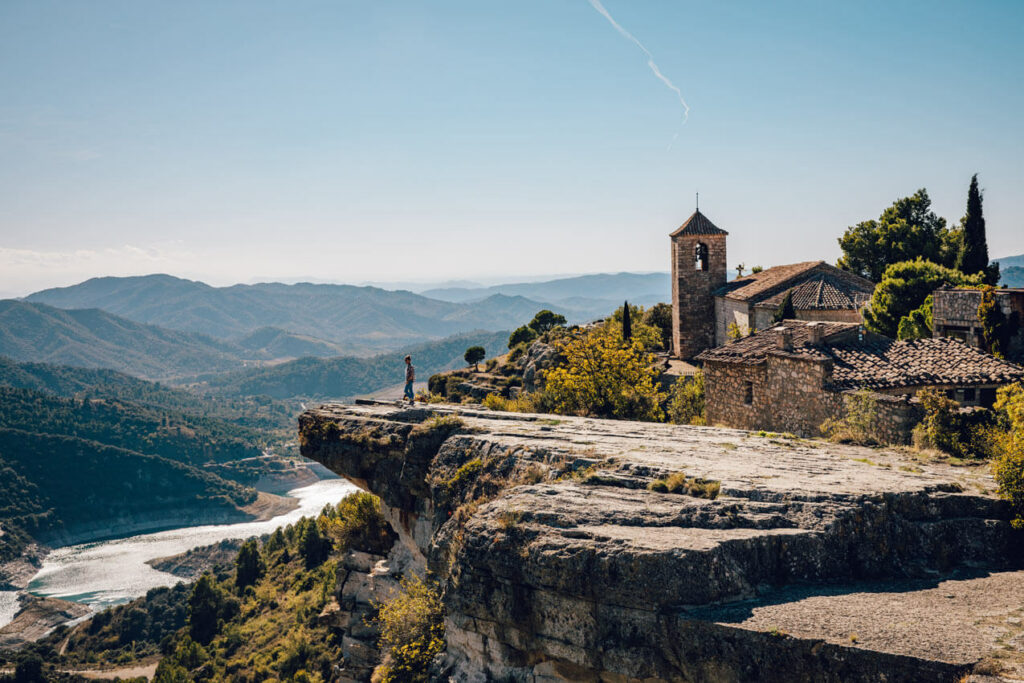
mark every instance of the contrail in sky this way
{"type": "Point", "coordinates": [596, 4]}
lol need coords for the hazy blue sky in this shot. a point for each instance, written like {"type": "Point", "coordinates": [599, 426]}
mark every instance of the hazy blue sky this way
{"type": "Point", "coordinates": [428, 140]}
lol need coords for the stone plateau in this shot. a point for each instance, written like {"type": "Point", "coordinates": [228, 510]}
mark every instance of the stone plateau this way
{"type": "Point", "coordinates": [815, 562]}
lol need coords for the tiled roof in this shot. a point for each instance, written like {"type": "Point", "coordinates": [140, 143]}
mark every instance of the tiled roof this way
{"type": "Point", "coordinates": [778, 279]}
{"type": "Point", "coordinates": [823, 292]}
{"type": "Point", "coordinates": [755, 347]}
{"type": "Point", "coordinates": [871, 361]}
{"type": "Point", "coordinates": [881, 363]}
{"type": "Point", "coordinates": [698, 224]}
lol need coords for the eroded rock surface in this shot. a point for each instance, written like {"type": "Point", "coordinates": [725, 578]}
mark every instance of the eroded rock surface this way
{"type": "Point", "coordinates": [815, 562]}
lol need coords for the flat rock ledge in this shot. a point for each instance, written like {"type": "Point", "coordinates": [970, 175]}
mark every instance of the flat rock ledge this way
{"type": "Point", "coordinates": [814, 562]}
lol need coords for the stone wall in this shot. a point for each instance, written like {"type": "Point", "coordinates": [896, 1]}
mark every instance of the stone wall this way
{"type": "Point", "coordinates": [895, 418]}
{"type": "Point", "coordinates": [728, 312]}
{"type": "Point", "coordinates": [791, 394]}
{"type": "Point", "coordinates": [955, 314]}
{"type": "Point", "coordinates": [787, 395]}
{"type": "Point", "coordinates": [693, 301]}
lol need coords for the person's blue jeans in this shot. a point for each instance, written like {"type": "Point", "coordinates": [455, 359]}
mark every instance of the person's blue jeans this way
{"type": "Point", "coordinates": [408, 391]}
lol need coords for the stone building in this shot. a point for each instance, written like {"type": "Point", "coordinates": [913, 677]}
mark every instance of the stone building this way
{"type": "Point", "coordinates": [794, 376]}
{"type": "Point", "coordinates": [705, 304]}
{"type": "Point", "coordinates": [955, 314]}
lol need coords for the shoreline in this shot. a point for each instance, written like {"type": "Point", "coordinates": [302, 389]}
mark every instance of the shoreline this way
{"type": "Point", "coordinates": [17, 575]}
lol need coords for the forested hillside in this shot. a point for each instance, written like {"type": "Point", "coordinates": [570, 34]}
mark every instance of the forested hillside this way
{"type": "Point", "coordinates": [261, 413]}
{"type": "Point", "coordinates": [55, 483]}
{"type": "Point", "coordinates": [98, 339]}
{"type": "Point", "coordinates": [177, 436]}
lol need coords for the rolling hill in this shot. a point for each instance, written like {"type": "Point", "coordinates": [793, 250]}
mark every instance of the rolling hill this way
{"type": "Point", "coordinates": [1011, 270]}
{"type": "Point", "coordinates": [95, 338]}
{"type": "Point", "coordinates": [361, 319]}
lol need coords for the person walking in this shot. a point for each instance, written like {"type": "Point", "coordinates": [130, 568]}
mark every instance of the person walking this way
{"type": "Point", "coordinates": [410, 377]}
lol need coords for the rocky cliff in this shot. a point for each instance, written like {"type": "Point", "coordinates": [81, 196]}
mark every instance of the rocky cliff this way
{"type": "Point", "coordinates": [773, 559]}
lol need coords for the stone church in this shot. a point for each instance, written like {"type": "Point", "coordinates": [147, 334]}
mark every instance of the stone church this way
{"type": "Point", "coordinates": [705, 304]}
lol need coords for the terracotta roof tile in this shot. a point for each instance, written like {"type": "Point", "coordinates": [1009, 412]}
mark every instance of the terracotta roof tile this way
{"type": "Point", "coordinates": [823, 292]}
{"type": "Point", "coordinates": [698, 224]}
{"type": "Point", "coordinates": [778, 279]}
{"type": "Point", "coordinates": [871, 361]}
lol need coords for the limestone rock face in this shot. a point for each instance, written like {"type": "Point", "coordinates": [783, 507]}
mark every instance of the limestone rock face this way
{"type": "Point", "coordinates": [539, 357]}
{"type": "Point", "coordinates": [814, 562]}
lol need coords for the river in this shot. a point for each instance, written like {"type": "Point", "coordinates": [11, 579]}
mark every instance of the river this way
{"type": "Point", "coordinates": [112, 572]}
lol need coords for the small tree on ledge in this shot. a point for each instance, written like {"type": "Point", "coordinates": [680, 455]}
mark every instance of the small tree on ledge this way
{"type": "Point", "coordinates": [474, 354]}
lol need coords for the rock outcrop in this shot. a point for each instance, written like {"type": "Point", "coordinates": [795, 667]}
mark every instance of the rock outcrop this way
{"type": "Point", "coordinates": [784, 559]}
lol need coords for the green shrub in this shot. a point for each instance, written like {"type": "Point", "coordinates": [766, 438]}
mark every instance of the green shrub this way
{"type": "Point", "coordinates": [948, 429]}
{"type": "Point", "coordinates": [681, 484]}
{"type": "Point", "coordinates": [686, 401]}
{"type": "Point", "coordinates": [357, 523]}
{"type": "Point", "coordinates": [859, 423]}
{"type": "Point", "coordinates": [411, 633]}
{"type": "Point", "coordinates": [523, 403]}
{"type": "Point", "coordinates": [521, 336]}
{"type": "Point", "coordinates": [1008, 467]}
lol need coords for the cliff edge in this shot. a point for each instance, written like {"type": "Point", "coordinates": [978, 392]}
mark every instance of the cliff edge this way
{"type": "Point", "coordinates": [756, 557]}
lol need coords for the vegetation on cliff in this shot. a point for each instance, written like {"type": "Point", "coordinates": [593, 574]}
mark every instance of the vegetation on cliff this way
{"type": "Point", "coordinates": [257, 618]}
{"type": "Point", "coordinates": [598, 370]}
{"type": "Point", "coordinates": [54, 483]}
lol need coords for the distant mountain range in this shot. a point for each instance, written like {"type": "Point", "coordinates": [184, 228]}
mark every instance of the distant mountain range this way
{"type": "Point", "coordinates": [278, 320]}
{"type": "Point", "coordinates": [1011, 270]}
{"type": "Point", "coordinates": [91, 338]}
{"type": "Point", "coordinates": [309, 318]}
{"type": "Point", "coordinates": [573, 293]}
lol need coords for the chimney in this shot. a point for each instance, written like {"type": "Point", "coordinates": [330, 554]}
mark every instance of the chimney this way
{"type": "Point", "coordinates": [785, 339]}
{"type": "Point", "coordinates": [816, 333]}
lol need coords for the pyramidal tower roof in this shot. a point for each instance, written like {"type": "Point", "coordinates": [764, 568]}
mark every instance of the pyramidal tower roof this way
{"type": "Point", "coordinates": [698, 224]}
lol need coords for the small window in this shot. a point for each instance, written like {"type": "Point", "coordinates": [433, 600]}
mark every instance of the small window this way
{"type": "Point", "coordinates": [988, 397]}
{"type": "Point", "coordinates": [748, 393]}
{"type": "Point", "coordinates": [951, 393]}
{"type": "Point", "coordinates": [969, 395]}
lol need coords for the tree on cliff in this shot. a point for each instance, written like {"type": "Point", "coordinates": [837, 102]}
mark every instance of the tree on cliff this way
{"type": "Point", "coordinates": [205, 606]}
{"type": "Point", "coordinates": [905, 231]}
{"type": "Point", "coordinates": [904, 287]}
{"type": "Point", "coordinates": [603, 378]}
{"type": "Point", "coordinates": [474, 354]}
{"type": "Point", "coordinates": [972, 256]}
{"type": "Point", "coordinates": [546, 320]}
{"type": "Point", "coordinates": [249, 565]}
{"type": "Point", "coordinates": [312, 545]}
{"type": "Point", "coordinates": [521, 335]}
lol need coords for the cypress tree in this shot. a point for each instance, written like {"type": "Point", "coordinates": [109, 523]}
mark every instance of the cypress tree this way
{"type": "Point", "coordinates": [785, 311]}
{"type": "Point", "coordinates": [973, 254]}
{"type": "Point", "coordinates": [627, 323]}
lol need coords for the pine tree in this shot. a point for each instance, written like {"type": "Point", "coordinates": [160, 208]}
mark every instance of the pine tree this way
{"type": "Point", "coordinates": [249, 565]}
{"type": "Point", "coordinates": [973, 255]}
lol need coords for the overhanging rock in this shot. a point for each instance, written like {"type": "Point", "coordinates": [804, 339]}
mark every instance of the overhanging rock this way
{"type": "Point", "coordinates": [814, 562]}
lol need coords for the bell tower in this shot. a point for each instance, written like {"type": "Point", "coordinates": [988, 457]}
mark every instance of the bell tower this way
{"type": "Point", "coordinates": [698, 269]}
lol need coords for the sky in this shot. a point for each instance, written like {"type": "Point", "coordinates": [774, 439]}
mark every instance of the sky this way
{"type": "Point", "coordinates": [245, 140]}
